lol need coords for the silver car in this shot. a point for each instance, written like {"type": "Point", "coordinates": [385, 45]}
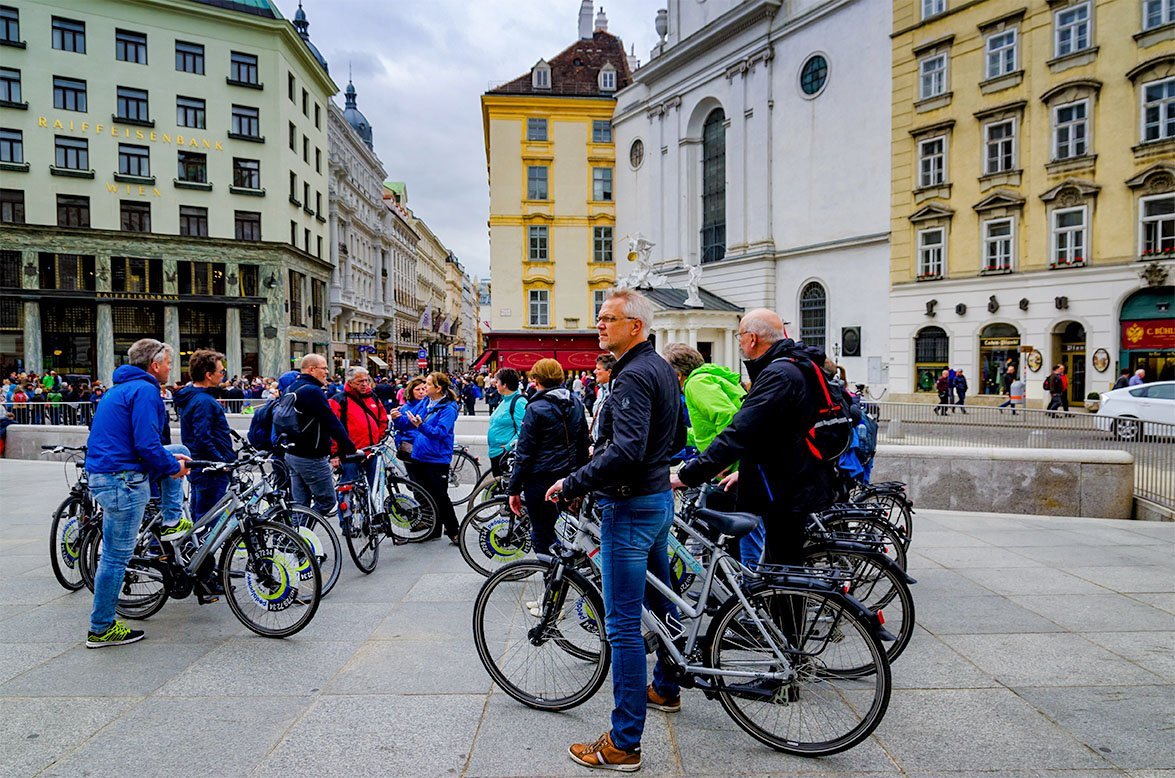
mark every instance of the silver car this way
{"type": "Point", "coordinates": [1124, 412]}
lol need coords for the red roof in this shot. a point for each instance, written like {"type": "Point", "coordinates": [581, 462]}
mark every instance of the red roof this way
{"type": "Point", "coordinates": [575, 70]}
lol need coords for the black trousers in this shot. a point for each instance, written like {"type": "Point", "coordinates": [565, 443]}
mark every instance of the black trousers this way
{"type": "Point", "coordinates": [543, 514]}
{"type": "Point", "coordinates": [434, 477]}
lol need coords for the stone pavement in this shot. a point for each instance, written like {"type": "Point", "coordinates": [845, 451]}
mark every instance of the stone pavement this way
{"type": "Point", "coordinates": [1044, 648]}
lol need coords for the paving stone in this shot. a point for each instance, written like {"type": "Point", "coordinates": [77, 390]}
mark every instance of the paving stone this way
{"type": "Point", "coordinates": [427, 621]}
{"type": "Point", "coordinates": [959, 557]}
{"type": "Point", "coordinates": [136, 669]}
{"type": "Point", "coordinates": [39, 730]}
{"type": "Point", "coordinates": [942, 581]}
{"type": "Point", "coordinates": [31, 591]}
{"type": "Point", "coordinates": [1048, 660]}
{"type": "Point", "coordinates": [413, 667]}
{"type": "Point", "coordinates": [64, 620]}
{"type": "Point", "coordinates": [244, 667]}
{"type": "Point", "coordinates": [1164, 601]}
{"type": "Point", "coordinates": [446, 587]}
{"type": "Point", "coordinates": [947, 615]}
{"type": "Point", "coordinates": [1154, 651]}
{"type": "Point", "coordinates": [1074, 557]}
{"type": "Point", "coordinates": [1024, 537]}
{"type": "Point", "coordinates": [1097, 612]}
{"type": "Point", "coordinates": [27, 565]}
{"type": "Point", "coordinates": [345, 621]}
{"type": "Point", "coordinates": [1130, 578]}
{"type": "Point", "coordinates": [1040, 580]}
{"type": "Point", "coordinates": [930, 663]}
{"type": "Point", "coordinates": [16, 659]}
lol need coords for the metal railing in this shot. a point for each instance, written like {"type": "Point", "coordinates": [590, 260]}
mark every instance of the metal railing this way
{"type": "Point", "coordinates": [1152, 444]}
{"type": "Point", "coordinates": [82, 413]}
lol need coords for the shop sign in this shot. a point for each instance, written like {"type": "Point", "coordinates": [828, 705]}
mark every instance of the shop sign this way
{"type": "Point", "coordinates": [1073, 348]}
{"type": "Point", "coordinates": [1148, 334]}
{"type": "Point", "coordinates": [137, 296]}
{"type": "Point", "coordinates": [995, 343]}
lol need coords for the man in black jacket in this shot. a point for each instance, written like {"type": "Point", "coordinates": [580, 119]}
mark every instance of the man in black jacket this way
{"type": "Point", "coordinates": [640, 429]}
{"type": "Point", "coordinates": [308, 453]}
{"type": "Point", "coordinates": [778, 477]}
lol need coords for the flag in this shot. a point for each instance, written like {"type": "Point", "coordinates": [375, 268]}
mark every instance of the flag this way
{"type": "Point", "coordinates": [426, 318]}
{"type": "Point", "coordinates": [443, 325]}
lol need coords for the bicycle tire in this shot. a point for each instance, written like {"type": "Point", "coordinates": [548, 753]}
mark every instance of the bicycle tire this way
{"type": "Point", "coordinates": [89, 551]}
{"type": "Point", "coordinates": [502, 620]}
{"type": "Point", "coordinates": [69, 521]}
{"type": "Point", "coordinates": [150, 598]}
{"type": "Point", "coordinates": [897, 513]}
{"type": "Point", "coordinates": [265, 578]}
{"type": "Point", "coordinates": [142, 593]}
{"type": "Point", "coordinates": [870, 529]}
{"type": "Point", "coordinates": [491, 536]}
{"type": "Point", "coordinates": [818, 695]}
{"type": "Point", "coordinates": [876, 586]}
{"type": "Point", "coordinates": [464, 476]}
{"type": "Point", "coordinates": [319, 534]}
{"type": "Point", "coordinates": [362, 538]}
{"type": "Point", "coordinates": [412, 511]}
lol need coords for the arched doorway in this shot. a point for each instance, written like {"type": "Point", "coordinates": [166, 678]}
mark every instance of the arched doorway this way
{"type": "Point", "coordinates": [932, 349]}
{"type": "Point", "coordinates": [1147, 326]}
{"type": "Point", "coordinates": [997, 344]}
{"type": "Point", "coordinates": [1069, 350]}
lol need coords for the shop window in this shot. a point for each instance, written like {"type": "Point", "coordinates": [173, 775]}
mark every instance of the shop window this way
{"type": "Point", "coordinates": [997, 344]}
{"type": "Point", "coordinates": [67, 272]}
{"type": "Point", "coordinates": [932, 350]}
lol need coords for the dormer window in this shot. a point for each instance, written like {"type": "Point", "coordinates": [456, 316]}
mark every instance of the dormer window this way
{"type": "Point", "coordinates": [608, 78]}
{"type": "Point", "coordinates": [540, 75]}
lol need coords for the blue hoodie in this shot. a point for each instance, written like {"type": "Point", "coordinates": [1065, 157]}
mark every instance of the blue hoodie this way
{"type": "Point", "coordinates": [130, 425]}
{"type": "Point", "coordinates": [434, 437]}
{"type": "Point", "coordinates": [203, 426]}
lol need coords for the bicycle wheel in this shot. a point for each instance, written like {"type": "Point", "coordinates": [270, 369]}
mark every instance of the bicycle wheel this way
{"type": "Point", "coordinates": [89, 552]}
{"type": "Point", "coordinates": [820, 709]}
{"type": "Point", "coordinates": [464, 475]}
{"type": "Point", "coordinates": [554, 660]}
{"type": "Point", "coordinates": [871, 530]}
{"type": "Point", "coordinates": [271, 579]}
{"type": "Point", "coordinates": [492, 536]}
{"type": "Point", "coordinates": [319, 535]}
{"type": "Point", "coordinates": [64, 547]}
{"type": "Point", "coordinates": [362, 538]}
{"type": "Point", "coordinates": [412, 512]}
{"type": "Point", "coordinates": [877, 587]}
{"type": "Point", "coordinates": [896, 512]}
{"type": "Point", "coordinates": [143, 592]}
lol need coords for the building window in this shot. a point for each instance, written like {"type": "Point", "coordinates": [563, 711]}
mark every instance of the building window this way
{"type": "Point", "coordinates": [294, 193]}
{"type": "Point", "coordinates": [193, 221]}
{"type": "Point", "coordinates": [602, 183]}
{"type": "Point", "coordinates": [536, 129]}
{"type": "Point", "coordinates": [1070, 237]}
{"type": "Point", "coordinates": [998, 245]}
{"type": "Point", "coordinates": [72, 153]}
{"type": "Point", "coordinates": [294, 233]}
{"type": "Point", "coordinates": [537, 250]}
{"type": "Point", "coordinates": [69, 35]}
{"type": "Point", "coordinates": [713, 246]}
{"type": "Point", "coordinates": [931, 248]}
{"type": "Point", "coordinates": [601, 131]}
{"type": "Point", "coordinates": [11, 206]}
{"type": "Point", "coordinates": [318, 203]}
{"type": "Point", "coordinates": [135, 274]}
{"type": "Point", "coordinates": [9, 85]}
{"type": "Point", "coordinates": [305, 103]}
{"type": "Point", "coordinates": [11, 146]}
{"type": "Point", "coordinates": [130, 47]}
{"type": "Point", "coordinates": [202, 278]}
{"type": "Point", "coordinates": [135, 216]}
{"type": "Point", "coordinates": [306, 203]}
{"type": "Point", "coordinates": [1072, 25]}
{"type": "Point", "coordinates": [318, 303]}
{"type": "Point", "coordinates": [536, 182]}
{"type": "Point", "coordinates": [1157, 216]}
{"type": "Point", "coordinates": [1158, 110]}
{"type": "Point", "coordinates": [73, 211]}
{"type": "Point", "coordinates": [306, 240]}
{"type": "Point", "coordinates": [598, 298]}
{"type": "Point", "coordinates": [190, 112]}
{"type": "Point", "coordinates": [1001, 54]}
{"type": "Point", "coordinates": [636, 153]}
{"type": "Point", "coordinates": [9, 24]}
{"type": "Point", "coordinates": [67, 272]}
{"type": "Point", "coordinates": [248, 275]}
{"type": "Point", "coordinates": [540, 312]}
{"type": "Point", "coordinates": [134, 160]}
{"type": "Point", "coordinates": [243, 68]}
{"type": "Point", "coordinates": [933, 8]}
{"type": "Point", "coordinates": [297, 312]}
{"type": "Point", "coordinates": [608, 79]}
{"type": "Point", "coordinates": [601, 244]}
{"type": "Point", "coordinates": [999, 147]}
{"type": "Point", "coordinates": [193, 167]}
{"type": "Point", "coordinates": [317, 160]}
{"type": "Point", "coordinates": [293, 132]}
{"type": "Point", "coordinates": [932, 349]}
{"type": "Point", "coordinates": [131, 104]}
{"type": "Point", "coordinates": [246, 121]}
{"type": "Point", "coordinates": [932, 76]}
{"type": "Point", "coordinates": [1071, 130]}
{"type": "Point", "coordinates": [813, 314]}
{"type": "Point", "coordinates": [932, 162]}
{"type": "Point", "coordinates": [317, 117]}
{"type": "Point", "coordinates": [814, 75]}
{"type": "Point", "coordinates": [248, 225]}
{"type": "Point", "coordinates": [189, 57]}
{"type": "Point", "coordinates": [69, 94]}
{"type": "Point", "coordinates": [305, 149]}
{"type": "Point", "coordinates": [1156, 13]}
{"type": "Point", "coordinates": [540, 77]}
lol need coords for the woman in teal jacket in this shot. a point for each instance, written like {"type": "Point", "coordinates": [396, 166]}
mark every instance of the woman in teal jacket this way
{"type": "Point", "coordinates": [432, 450]}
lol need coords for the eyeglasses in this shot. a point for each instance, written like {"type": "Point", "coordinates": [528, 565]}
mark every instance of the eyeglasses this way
{"type": "Point", "coordinates": [162, 350]}
{"type": "Point", "coordinates": [744, 332]}
{"type": "Point", "coordinates": [606, 320]}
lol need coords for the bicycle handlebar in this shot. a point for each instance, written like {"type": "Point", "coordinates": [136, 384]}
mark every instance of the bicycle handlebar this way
{"type": "Point", "coordinates": [62, 449]}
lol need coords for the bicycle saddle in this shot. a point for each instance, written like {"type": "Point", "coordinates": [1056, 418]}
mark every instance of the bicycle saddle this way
{"type": "Point", "coordinates": [734, 524]}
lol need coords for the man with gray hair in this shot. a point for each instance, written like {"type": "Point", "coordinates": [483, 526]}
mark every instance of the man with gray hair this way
{"type": "Point", "coordinates": [125, 452]}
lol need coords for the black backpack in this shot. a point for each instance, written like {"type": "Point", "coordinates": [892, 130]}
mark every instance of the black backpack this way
{"type": "Point", "coordinates": [285, 419]}
{"type": "Point", "coordinates": [832, 432]}
{"type": "Point", "coordinates": [260, 435]}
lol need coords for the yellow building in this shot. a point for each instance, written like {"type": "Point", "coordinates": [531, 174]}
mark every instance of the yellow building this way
{"type": "Point", "coordinates": [1033, 205]}
{"type": "Point", "coordinates": [550, 159]}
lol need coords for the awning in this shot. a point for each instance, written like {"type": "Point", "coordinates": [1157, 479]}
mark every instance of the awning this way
{"type": "Point", "coordinates": [577, 360]}
{"type": "Point", "coordinates": [378, 362]}
{"type": "Point", "coordinates": [523, 360]}
{"type": "Point", "coordinates": [481, 360]}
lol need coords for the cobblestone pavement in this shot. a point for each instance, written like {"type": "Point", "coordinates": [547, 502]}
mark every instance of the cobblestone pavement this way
{"type": "Point", "coordinates": [1044, 648]}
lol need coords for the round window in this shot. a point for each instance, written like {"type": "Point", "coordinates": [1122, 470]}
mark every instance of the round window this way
{"type": "Point", "coordinates": [814, 75]}
{"type": "Point", "coordinates": [636, 153]}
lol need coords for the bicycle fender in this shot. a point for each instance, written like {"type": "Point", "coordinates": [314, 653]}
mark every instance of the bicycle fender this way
{"type": "Point", "coordinates": [866, 550]}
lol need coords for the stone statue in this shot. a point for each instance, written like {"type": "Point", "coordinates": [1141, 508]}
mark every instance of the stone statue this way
{"type": "Point", "coordinates": [642, 276]}
{"type": "Point", "coordinates": [695, 279]}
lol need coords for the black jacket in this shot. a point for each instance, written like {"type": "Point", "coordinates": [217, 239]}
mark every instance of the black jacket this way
{"type": "Point", "coordinates": [552, 441]}
{"type": "Point", "coordinates": [641, 427]}
{"type": "Point", "coordinates": [318, 422]}
{"type": "Point", "coordinates": [777, 472]}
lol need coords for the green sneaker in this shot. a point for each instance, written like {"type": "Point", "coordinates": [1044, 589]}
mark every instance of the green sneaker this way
{"type": "Point", "coordinates": [168, 532]}
{"type": "Point", "coordinates": [118, 634]}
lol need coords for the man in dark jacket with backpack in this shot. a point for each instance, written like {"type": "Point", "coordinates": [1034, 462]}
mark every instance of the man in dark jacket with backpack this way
{"type": "Point", "coordinates": [204, 428]}
{"type": "Point", "coordinates": [305, 427]}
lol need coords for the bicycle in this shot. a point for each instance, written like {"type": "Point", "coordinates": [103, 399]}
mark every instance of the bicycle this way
{"type": "Point", "coordinates": [464, 475]}
{"type": "Point", "coordinates": [75, 516]}
{"type": "Point", "coordinates": [787, 643]}
{"type": "Point", "coordinates": [410, 508]}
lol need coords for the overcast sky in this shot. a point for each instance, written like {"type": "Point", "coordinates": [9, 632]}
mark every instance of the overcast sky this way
{"type": "Point", "coordinates": [420, 67]}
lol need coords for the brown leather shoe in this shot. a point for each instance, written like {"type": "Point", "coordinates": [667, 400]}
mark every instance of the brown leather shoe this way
{"type": "Point", "coordinates": [657, 702]}
{"type": "Point", "coordinates": [603, 755]}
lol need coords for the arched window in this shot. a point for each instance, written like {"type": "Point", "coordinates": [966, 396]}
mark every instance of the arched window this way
{"type": "Point", "coordinates": [714, 187]}
{"type": "Point", "coordinates": [813, 314]}
{"type": "Point", "coordinates": [932, 349]}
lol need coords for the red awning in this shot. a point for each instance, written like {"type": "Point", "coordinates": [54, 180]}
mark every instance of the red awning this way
{"type": "Point", "coordinates": [523, 360]}
{"type": "Point", "coordinates": [577, 360]}
{"type": "Point", "coordinates": [485, 357]}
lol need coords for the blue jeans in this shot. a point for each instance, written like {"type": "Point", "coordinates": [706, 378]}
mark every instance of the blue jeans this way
{"type": "Point", "coordinates": [206, 492]}
{"type": "Point", "coordinates": [312, 481]}
{"type": "Point", "coordinates": [750, 546]}
{"type": "Point", "coordinates": [123, 497]}
{"type": "Point", "coordinates": [171, 490]}
{"type": "Point", "coordinates": [633, 538]}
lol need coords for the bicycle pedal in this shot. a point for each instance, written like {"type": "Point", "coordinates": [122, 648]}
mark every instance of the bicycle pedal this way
{"type": "Point", "coordinates": [206, 599]}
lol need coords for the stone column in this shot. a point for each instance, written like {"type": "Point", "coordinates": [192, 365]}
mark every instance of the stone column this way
{"type": "Point", "coordinates": [729, 346]}
{"type": "Point", "coordinates": [171, 336]}
{"type": "Point", "coordinates": [105, 344]}
{"type": "Point", "coordinates": [34, 359]}
{"type": "Point", "coordinates": [737, 168]}
{"type": "Point", "coordinates": [102, 273]}
{"type": "Point", "coordinates": [232, 341]}
{"type": "Point", "coordinates": [693, 337]}
{"type": "Point", "coordinates": [757, 136]}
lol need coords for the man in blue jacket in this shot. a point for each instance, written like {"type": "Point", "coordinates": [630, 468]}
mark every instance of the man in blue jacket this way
{"type": "Point", "coordinates": [125, 451]}
{"type": "Point", "coordinates": [204, 427]}
{"type": "Point", "coordinates": [308, 454]}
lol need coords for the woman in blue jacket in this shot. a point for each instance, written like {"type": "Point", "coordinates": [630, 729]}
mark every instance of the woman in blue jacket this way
{"type": "Point", "coordinates": [415, 404]}
{"type": "Point", "coordinates": [432, 450]}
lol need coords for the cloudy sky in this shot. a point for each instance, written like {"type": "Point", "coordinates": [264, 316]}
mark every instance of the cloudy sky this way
{"type": "Point", "coordinates": [420, 67]}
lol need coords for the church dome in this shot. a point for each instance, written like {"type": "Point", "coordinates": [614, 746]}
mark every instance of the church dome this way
{"type": "Point", "coordinates": [356, 118]}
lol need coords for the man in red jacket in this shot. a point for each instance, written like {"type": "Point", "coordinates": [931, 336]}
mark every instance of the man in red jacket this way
{"type": "Point", "coordinates": [363, 415]}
